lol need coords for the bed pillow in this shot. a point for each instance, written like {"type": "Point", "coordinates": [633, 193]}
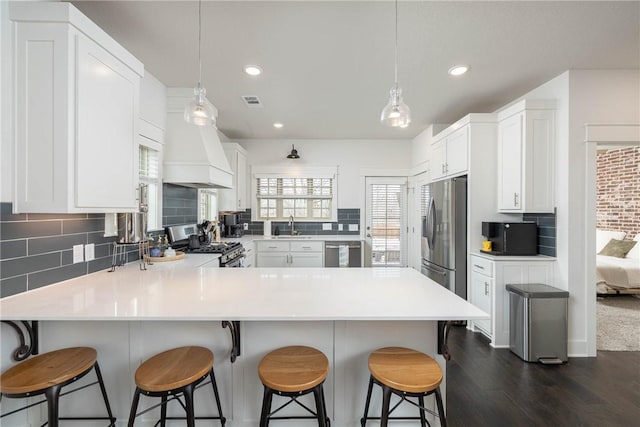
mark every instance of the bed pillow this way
{"type": "Point", "coordinates": [603, 237]}
{"type": "Point", "coordinates": [617, 248]}
{"type": "Point", "coordinates": [635, 251]}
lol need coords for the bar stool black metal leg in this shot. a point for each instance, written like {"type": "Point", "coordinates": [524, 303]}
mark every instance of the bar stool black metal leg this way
{"type": "Point", "coordinates": [188, 403]}
{"type": "Point", "coordinates": [104, 394]}
{"type": "Point", "coordinates": [386, 401]}
{"type": "Point", "coordinates": [134, 407]}
{"type": "Point", "coordinates": [320, 410]}
{"type": "Point", "coordinates": [363, 420]}
{"type": "Point", "coordinates": [214, 384]}
{"type": "Point", "coordinates": [163, 410]}
{"type": "Point", "coordinates": [423, 420]}
{"type": "Point", "coordinates": [53, 396]}
{"type": "Point", "coordinates": [266, 406]}
{"type": "Point", "coordinates": [441, 414]}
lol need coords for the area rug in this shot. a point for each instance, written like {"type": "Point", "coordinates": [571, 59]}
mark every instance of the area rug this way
{"type": "Point", "coordinates": [618, 323]}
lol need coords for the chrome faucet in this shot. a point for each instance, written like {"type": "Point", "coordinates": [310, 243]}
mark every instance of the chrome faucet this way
{"type": "Point", "coordinates": [291, 223]}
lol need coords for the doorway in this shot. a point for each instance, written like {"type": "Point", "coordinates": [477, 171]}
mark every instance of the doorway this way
{"type": "Point", "coordinates": [385, 222]}
{"type": "Point", "coordinates": [604, 136]}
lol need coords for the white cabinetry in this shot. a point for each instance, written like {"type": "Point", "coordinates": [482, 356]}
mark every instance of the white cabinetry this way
{"type": "Point", "coordinates": [153, 108]}
{"type": "Point", "coordinates": [497, 272]}
{"type": "Point", "coordinates": [287, 253]}
{"type": "Point", "coordinates": [77, 109]}
{"type": "Point", "coordinates": [526, 166]}
{"type": "Point", "coordinates": [450, 152]}
{"type": "Point", "coordinates": [482, 291]}
{"type": "Point", "coordinates": [249, 254]}
{"type": "Point", "coordinates": [235, 199]}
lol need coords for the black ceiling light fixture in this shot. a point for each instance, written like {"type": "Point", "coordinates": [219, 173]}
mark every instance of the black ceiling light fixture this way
{"type": "Point", "coordinates": [293, 154]}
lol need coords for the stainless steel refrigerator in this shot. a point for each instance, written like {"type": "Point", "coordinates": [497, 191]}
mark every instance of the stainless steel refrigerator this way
{"type": "Point", "coordinates": [444, 233]}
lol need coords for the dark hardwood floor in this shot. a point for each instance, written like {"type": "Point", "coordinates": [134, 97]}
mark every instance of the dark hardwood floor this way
{"type": "Point", "coordinates": [493, 387]}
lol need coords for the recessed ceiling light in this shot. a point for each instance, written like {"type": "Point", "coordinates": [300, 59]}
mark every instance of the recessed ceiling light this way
{"type": "Point", "coordinates": [458, 70]}
{"type": "Point", "coordinates": [253, 70]}
{"type": "Point", "coordinates": [278, 125]}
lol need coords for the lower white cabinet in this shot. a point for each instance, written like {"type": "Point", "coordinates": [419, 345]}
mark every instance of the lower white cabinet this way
{"type": "Point", "coordinates": [489, 277]}
{"type": "Point", "coordinates": [286, 253]}
{"type": "Point", "coordinates": [249, 254]}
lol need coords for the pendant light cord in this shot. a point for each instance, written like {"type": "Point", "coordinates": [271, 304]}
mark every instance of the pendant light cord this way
{"type": "Point", "coordinates": [200, 42]}
{"type": "Point", "coordinates": [396, 46]}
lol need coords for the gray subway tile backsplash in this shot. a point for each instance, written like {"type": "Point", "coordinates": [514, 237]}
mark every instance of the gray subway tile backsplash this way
{"type": "Point", "coordinates": [36, 249]}
{"type": "Point", "coordinates": [546, 231]}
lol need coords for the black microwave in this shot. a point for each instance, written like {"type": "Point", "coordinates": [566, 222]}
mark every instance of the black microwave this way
{"type": "Point", "coordinates": [511, 238]}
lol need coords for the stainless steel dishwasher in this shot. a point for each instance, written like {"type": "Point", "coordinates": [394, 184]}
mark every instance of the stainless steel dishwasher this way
{"type": "Point", "coordinates": [346, 253]}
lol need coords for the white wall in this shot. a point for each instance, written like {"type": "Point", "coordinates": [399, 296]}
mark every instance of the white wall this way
{"type": "Point", "coordinates": [584, 96]}
{"type": "Point", "coordinates": [6, 98]}
{"type": "Point", "coordinates": [351, 156]}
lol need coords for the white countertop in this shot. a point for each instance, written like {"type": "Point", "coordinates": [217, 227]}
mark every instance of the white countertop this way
{"type": "Point", "coordinates": [181, 290]}
{"type": "Point", "coordinates": [514, 257]}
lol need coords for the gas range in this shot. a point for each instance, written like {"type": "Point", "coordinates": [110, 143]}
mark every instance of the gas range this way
{"type": "Point", "coordinates": [231, 253]}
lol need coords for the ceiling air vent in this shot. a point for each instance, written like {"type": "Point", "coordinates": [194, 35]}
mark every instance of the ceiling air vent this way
{"type": "Point", "coordinates": [252, 101]}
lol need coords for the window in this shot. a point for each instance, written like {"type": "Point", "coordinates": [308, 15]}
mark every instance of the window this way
{"type": "Point", "coordinates": [149, 175]}
{"type": "Point", "coordinates": [309, 196]}
{"type": "Point", "coordinates": [207, 204]}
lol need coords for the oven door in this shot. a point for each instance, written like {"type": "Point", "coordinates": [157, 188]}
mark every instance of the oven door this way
{"type": "Point", "coordinates": [237, 262]}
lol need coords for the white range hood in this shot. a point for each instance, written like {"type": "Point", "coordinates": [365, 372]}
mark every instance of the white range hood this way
{"type": "Point", "coordinates": [193, 155]}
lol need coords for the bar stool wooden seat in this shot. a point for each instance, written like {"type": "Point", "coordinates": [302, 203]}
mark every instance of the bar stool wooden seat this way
{"type": "Point", "coordinates": [47, 374]}
{"type": "Point", "coordinates": [405, 373]}
{"type": "Point", "coordinates": [292, 372]}
{"type": "Point", "coordinates": [174, 373]}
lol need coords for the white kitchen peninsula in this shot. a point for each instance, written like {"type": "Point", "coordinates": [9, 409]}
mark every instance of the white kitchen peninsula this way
{"type": "Point", "coordinates": [130, 314]}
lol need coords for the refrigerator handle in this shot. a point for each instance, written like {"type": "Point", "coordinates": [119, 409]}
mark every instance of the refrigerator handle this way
{"type": "Point", "coordinates": [431, 239]}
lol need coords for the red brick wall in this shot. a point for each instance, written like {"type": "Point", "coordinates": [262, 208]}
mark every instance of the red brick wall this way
{"type": "Point", "coordinates": [618, 194]}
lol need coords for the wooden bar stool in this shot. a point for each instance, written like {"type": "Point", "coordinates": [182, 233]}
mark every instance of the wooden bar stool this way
{"type": "Point", "coordinates": [293, 372]}
{"type": "Point", "coordinates": [47, 374]}
{"type": "Point", "coordinates": [405, 373]}
{"type": "Point", "coordinates": [172, 373]}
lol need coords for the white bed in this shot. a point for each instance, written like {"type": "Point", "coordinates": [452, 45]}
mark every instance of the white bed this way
{"type": "Point", "coordinates": [617, 275]}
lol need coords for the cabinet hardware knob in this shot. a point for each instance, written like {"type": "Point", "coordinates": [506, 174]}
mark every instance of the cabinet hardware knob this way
{"type": "Point", "coordinates": [478, 266]}
{"type": "Point", "coordinates": [515, 199]}
{"type": "Point", "coordinates": [486, 288]}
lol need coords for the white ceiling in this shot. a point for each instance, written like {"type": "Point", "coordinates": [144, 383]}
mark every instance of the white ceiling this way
{"type": "Point", "coordinates": [328, 65]}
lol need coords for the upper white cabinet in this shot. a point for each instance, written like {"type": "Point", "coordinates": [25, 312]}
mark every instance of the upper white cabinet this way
{"type": "Point", "coordinates": [526, 166]}
{"type": "Point", "coordinates": [77, 110]}
{"type": "Point", "coordinates": [235, 199]}
{"type": "Point", "coordinates": [153, 108]}
{"type": "Point", "coordinates": [449, 153]}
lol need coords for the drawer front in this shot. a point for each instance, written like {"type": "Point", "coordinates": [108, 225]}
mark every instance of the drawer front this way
{"type": "Point", "coordinates": [306, 246]}
{"type": "Point", "coordinates": [272, 246]}
{"type": "Point", "coordinates": [482, 266]}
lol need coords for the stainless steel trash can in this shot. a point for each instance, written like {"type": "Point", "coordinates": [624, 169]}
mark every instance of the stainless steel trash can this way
{"type": "Point", "coordinates": [538, 322]}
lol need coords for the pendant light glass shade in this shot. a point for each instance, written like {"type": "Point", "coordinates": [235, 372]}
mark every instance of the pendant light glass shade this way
{"type": "Point", "coordinates": [199, 111]}
{"type": "Point", "coordinates": [396, 113]}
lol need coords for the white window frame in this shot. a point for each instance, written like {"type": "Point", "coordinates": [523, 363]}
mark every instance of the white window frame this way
{"type": "Point", "coordinates": [154, 145]}
{"type": "Point", "coordinates": [207, 204]}
{"type": "Point", "coordinates": [297, 172]}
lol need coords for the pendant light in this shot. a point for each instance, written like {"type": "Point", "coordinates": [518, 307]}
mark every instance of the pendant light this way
{"type": "Point", "coordinates": [396, 113]}
{"type": "Point", "coordinates": [199, 111]}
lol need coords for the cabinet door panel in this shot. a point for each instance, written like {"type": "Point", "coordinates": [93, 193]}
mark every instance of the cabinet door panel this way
{"type": "Point", "coordinates": [457, 152]}
{"type": "Point", "coordinates": [306, 260]}
{"type": "Point", "coordinates": [481, 297]}
{"type": "Point", "coordinates": [439, 159]}
{"type": "Point", "coordinates": [273, 260]}
{"type": "Point", "coordinates": [106, 154]}
{"type": "Point", "coordinates": [510, 163]}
